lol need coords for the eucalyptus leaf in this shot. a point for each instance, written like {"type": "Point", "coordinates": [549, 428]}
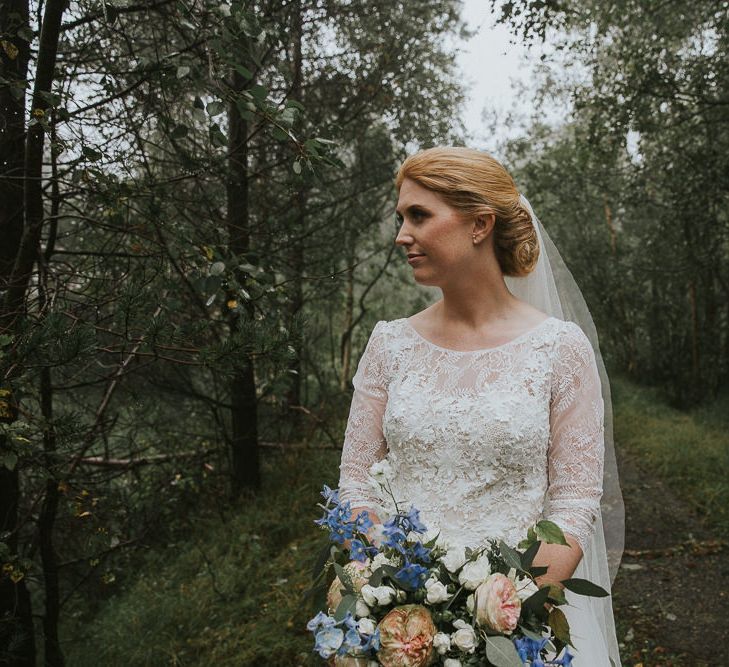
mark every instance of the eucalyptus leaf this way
{"type": "Point", "coordinates": [585, 587]}
{"type": "Point", "coordinates": [501, 652]}
{"type": "Point", "coordinates": [348, 603]}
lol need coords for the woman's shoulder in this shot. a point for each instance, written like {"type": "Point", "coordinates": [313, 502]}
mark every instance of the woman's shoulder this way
{"type": "Point", "coordinates": [572, 344]}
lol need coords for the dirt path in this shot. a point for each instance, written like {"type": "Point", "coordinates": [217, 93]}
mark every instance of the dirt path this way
{"type": "Point", "coordinates": [671, 597]}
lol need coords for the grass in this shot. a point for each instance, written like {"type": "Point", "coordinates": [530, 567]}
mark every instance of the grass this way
{"type": "Point", "coordinates": [689, 450]}
{"type": "Point", "coordinates": [228, 591]}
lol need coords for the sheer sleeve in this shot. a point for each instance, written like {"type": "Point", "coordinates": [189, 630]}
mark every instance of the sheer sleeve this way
{"type": "Point", "coordinates": [364, 442]}
{"type": "Point", "coordinates": [576, 445]}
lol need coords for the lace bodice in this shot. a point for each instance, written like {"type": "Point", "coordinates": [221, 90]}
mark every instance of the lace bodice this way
{"type": "Point", "coordinates": [483, 442]}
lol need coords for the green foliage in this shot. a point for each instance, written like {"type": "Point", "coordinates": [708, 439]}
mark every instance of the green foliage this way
{"type": "Point", "coordinates": [225, 589]}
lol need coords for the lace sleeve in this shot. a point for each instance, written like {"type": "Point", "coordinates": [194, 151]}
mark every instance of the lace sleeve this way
{"type": "Point", "coordinates": [364, 442]}
{"type": "Point", "coordinates": [576, 445]}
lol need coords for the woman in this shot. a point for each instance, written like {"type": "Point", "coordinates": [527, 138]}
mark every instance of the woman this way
{"type": "Point", "coordinates": [490, 408]}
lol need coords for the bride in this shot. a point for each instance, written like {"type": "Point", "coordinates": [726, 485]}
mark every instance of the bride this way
{"type": "Point", "coordinates": [492, 405]}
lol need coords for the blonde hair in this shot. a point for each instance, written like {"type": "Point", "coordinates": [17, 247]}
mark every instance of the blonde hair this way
{"type": "Point", "coordinates": [474, 183]}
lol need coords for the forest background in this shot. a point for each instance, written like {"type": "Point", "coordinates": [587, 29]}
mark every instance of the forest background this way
{"type": "Point", "coordinates": [196, 239]}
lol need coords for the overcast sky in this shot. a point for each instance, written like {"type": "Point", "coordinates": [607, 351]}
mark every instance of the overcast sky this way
{"type": "Point", "coordinates": [492, 67]}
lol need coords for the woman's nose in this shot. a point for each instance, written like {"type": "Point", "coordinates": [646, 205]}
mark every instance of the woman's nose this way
{"type": "Point", "coordinates": [403, 236]}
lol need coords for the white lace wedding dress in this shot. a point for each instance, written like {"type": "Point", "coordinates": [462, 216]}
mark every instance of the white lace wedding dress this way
{"type": "Point", "coordinates": [485, 442]}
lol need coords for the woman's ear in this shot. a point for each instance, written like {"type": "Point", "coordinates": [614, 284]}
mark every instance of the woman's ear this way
{"type": "Point", "coordinates": [483, 226]}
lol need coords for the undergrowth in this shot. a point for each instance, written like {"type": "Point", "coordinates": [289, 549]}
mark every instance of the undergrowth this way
{"type": "Point", "coordinates": [228, 590]}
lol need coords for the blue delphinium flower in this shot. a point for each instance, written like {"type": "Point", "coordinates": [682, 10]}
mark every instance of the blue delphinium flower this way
{"type": "Point", "coordinates": [357, 551]}
{"type": "Point", "coordinates": [411, 574]}
{"type": "Point", "coordinates": [394, 534]}
{"type": "Point", "coordinates": [338, 521]}
{"type": "Point", "coordinates": [363, 521]}
{"type": "Point", "coordinates": [330, 495]}
{"type": "Point", "coordinates": [528, 649]}
{"type": "Point", "coordinates": [420, 552]}
{"type": "Point", "coordinates": [328, 640]}
{"type": "Point", "coordinates": [320, 620]}
{"type": "Point", "coordinates": [373, 641]}
{"type": "Point", "coordinates": [414, 521]}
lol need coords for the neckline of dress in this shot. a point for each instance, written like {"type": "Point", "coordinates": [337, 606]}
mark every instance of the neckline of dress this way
{"type": "Point", "coordinates": [482, 349]}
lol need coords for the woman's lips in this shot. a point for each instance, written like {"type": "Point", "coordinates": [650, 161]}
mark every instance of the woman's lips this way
{"type": "Point", "coordinates": [412, 259]}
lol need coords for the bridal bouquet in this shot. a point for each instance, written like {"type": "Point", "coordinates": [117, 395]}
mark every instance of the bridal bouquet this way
{"type": "Point", "coordinates": [401, 598]}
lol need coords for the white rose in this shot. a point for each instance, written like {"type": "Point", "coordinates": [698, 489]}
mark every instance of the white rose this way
{"type": "Point", "coordinates": [366, 626]}
{"type": "Point", "coordinates": [361, 609]}
{"type": "Point", "coordinates": [368, 595]}
{"type": "Point", "coordinates": [452, 662]}
{"type": "Point", "coordinates": [470, 601]}
{"type": "Point", "coordinates": [442, 643]}
{"type": "Point", "coordinates": [454, 558]}
{"type": "Point", "coordinates": [382, 470]}
{"type": "Point", "coordinates": [474, 572]}
{"type": "Point", "coordinates": [464, 638]}
{"type": "Point", "coordinates": [380, 595]}
{"type": "Point", "coordinates": [437, 592]}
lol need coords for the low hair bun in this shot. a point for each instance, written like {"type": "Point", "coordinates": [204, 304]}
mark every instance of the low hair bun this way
{"type": "Point", "coordinates": [516, 242]}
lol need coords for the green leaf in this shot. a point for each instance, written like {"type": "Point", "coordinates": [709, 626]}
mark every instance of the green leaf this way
{"type": "Point", "coordinates": [501, 652]}
{"type": "Point", "coordinates": [348, 603]}
{"type": "Point", "coordinates": [559, 624]}
{"type": "Point", "coordinates": [198, 103]}
{"type": "Point", "coordinates": [556, 595]}
{"type": "Point", "coordinates": [217, 268]}
{"type": "Point", "coordinates": [179, 132]}
{"type": "Point", "coordinates": [243, 71]}
{"type": "Point", "coordinates": [376, 577]}
{"type": "Point", "coordinates": [259, 92]}
{"type": "Point", "coordinates": [215, 108]}
{"type": "Point", "coordinates": [9, 460]}
{"type": "Point", "coordinates": [297, 167]}
{"type": "Point", "coordinates": [535, 602]}
{"type": "Point", "coordinates": [584, 587]}
{"type": "Point", "coordinates": [550, 532]}
{"type": "Point", "coordinates": [182, 71]}
{"type": "Point", "coordinates": [528, 556]}
{"type": "Point", "coordinates": [91, 154]}
{"type": "Point", "coordinates": [217, 138]}
{"type": "Point", "coordinates": [344, 578]}
{"type": "Point", "coordinates": [53, 99]}
{"type": "Point", "coordinates": [509, 555]}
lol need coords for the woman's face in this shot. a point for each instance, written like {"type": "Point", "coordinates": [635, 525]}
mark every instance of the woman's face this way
{"type": "Point", "coordinates": [438, 234]}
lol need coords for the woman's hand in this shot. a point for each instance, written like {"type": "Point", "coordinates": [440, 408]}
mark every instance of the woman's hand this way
{"type": "Point", "coordinates": [373, 534]}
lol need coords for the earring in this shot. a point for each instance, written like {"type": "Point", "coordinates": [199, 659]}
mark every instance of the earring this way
{"type": "Point", "coordinates": [474, 238]}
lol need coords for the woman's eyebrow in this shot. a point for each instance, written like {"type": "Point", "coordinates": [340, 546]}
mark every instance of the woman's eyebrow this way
{"type": "Point", "coordinates": [411, 208]}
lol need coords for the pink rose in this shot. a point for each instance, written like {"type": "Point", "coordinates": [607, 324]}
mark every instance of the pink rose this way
{"type": "Point", "coordinates": [406, 637]}
{"type": "Point", "coordinates": [497, 604]}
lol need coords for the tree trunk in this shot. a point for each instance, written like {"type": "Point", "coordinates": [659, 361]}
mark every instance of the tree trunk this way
{"type": "Point", "coordinates": [244, 410]}
{"type": "Point", "coordinates": [21, 222]}
{"type": "Point", "coordinates": [296, 250]}
{"type": "Point", "coordinates": [346, 352]}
